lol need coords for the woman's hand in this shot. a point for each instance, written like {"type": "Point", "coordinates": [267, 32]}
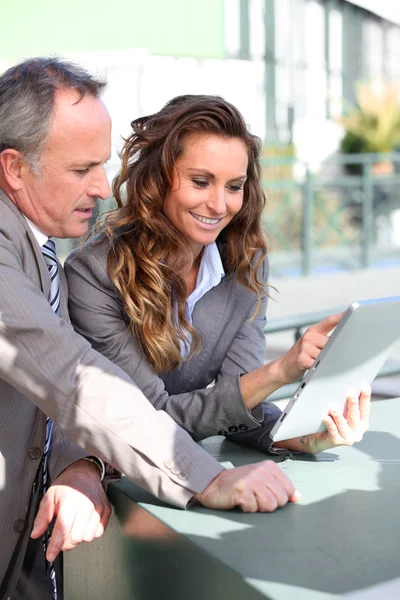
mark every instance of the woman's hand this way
{"type": "Point", "coordinates": [300, 357]}
{"type": "Point", "coordinates": [341, 429]}
{"type": "Point", "coordinates": [260, 383]}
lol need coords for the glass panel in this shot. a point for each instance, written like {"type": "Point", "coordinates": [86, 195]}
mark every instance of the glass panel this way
{"type": "Point", "coordinates": [232, 27]}
{"type": "Point", "coordinates": [335, 40]}
{"type": "Point", "coordinates": [257, 29]}
{"type": "Point", "coordinates": [315, 33]}
{"type": "Point", "coordinates": [373, 49]}
{"type": "Point", "coordinates": [336, 95]}
{"type": "Point", "coordinates": [316, 85]}
{"type": "Point", "coordinates": [282, 29]}
{"type": "Point", "coordinates": [393, 52]}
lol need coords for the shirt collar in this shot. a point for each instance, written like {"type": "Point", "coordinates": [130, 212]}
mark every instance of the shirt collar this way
{"type": "Point", "coordinates": [40, 237]}
{"type": "Point", "coordinates": [211, 266]}
{"type": "Point", "coordinates": [211, 271]}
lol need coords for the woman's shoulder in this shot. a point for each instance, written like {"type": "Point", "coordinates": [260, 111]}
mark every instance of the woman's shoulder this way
{"type": "Point", "coordinates": [263, 266]}
{"type": "Point", "coordinates": [92, 254]}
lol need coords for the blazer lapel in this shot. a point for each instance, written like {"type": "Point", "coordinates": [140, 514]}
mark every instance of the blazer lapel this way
{"type": "Point", "coordinates": [41, 265]}
{"type": "Point", "coordinates": [43, 272]}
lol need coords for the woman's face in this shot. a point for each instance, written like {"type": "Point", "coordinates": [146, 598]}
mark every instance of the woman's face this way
{"type": "Point", "coordinates": [207, 187]}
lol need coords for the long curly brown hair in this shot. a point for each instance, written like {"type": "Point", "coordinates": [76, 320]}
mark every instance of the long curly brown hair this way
{"type": "Point", "coordinates": [145, 244]}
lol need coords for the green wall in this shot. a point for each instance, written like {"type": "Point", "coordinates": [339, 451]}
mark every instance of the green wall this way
{"type": "Point", "coordinates": [168, 27]}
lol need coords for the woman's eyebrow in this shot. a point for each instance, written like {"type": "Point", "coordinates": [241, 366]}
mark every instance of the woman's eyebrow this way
{"type": "Point", "coordinates": [212, 176]}
{"type": "Point", "coordinates": [202, 171]}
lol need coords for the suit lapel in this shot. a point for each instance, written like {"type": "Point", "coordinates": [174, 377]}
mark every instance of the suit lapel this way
{"type": "Point", "coordinates": [41, 265]}
{"type": "Point", "coordinates": [43, 272]}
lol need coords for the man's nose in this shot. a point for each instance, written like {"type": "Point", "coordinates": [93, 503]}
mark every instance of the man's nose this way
{"type": "Point", "coordinates": [100, 188]}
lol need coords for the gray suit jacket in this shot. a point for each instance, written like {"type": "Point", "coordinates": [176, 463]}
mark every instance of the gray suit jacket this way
{"type": "Point", "coordinates": [232, 344]}
{"type": "Point", "coordinates": [47, 368]}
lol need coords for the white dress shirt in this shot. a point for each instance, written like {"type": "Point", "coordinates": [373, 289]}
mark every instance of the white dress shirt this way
{"type": "Point", "coordinates": [211, 271]}
{"type": "Point", "coordinates": [41, 237]}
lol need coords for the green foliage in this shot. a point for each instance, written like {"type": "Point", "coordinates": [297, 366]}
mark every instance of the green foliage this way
{"type": "Point", "coordinates": [374, 124]}
{"type": "Point", "coordinates": [353, 144]}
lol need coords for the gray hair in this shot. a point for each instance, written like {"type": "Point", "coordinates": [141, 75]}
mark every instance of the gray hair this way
{"type": "Point", "coordinates": [27, 96]}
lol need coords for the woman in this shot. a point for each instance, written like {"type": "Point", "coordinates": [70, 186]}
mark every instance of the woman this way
{"type": "Point", "coordinates": [174, 289]}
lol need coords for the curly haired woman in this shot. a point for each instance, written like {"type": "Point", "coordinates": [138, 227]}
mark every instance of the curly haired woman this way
{"type": "Point", "coordinates": [173, 288]}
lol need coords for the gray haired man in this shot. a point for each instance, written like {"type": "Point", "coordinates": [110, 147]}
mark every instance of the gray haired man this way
{"type": "Point", "coordinates": [54, 142]}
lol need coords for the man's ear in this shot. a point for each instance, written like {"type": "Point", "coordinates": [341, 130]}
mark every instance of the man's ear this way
{"type": "Point", "coordinates": [13, 166]}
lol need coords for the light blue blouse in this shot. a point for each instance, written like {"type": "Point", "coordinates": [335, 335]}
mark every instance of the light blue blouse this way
{"type": "Point", "coordinates": [211, 271]}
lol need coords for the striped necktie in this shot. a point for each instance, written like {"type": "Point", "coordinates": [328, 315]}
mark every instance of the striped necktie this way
{"type": "Point", "coordinates": [50, 257]}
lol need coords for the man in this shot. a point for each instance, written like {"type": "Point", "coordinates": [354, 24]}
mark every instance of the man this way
{"type": "Point", "coordinates": [54, 142]}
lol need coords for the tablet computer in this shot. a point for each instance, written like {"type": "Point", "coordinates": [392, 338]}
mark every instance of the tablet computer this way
{"type": "Point", "coordinates": [355, 351]}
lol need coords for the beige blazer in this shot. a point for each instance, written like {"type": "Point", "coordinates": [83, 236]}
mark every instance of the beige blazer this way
{"type": "Point", "coordinates": [47, 368]}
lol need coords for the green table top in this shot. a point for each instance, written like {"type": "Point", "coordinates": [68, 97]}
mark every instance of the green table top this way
{"type": "Point", "coordinates": [341, 537]}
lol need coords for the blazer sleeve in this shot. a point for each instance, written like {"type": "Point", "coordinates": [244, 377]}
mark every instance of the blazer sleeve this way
{"type": "Point", "coordinates": [96, 312]}
{"type": "Point", "coordinates": [245, 354]}
{"type": "Point", "coordinates": [93, 401]}
{"type": "Point", "coordinates": [247, 350]}
{"type": "Point", "coordinates": [63, 453]}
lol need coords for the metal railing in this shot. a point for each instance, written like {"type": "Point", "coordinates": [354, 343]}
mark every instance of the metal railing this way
{"type": "Point", "coordinates": [313, 210]}
{"type": "Point", "coordinates": [309, 214]}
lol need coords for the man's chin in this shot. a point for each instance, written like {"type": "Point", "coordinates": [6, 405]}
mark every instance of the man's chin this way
{"type": "Point", "coordinates": [77, 231]}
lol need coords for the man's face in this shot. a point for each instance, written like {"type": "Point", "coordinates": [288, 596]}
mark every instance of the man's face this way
{"type": "Point", "coordinates": [60, 198]}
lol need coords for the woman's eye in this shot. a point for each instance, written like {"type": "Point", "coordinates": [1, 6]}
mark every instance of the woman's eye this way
{"type": "Point", "coordinates": [236, 187]}
{"type": "Point", "coordinates": [200, 182]}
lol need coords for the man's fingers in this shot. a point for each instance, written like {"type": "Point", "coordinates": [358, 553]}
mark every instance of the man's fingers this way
{"type": "Point", "coordinates": [248, 502]}
{"type": "Point", "coordinates": [105, 517]}
{"type": "Point", "coordinates": [295, 497]}
{"type": "Point", "coordinates": [283, 479]}
{"type": "Point", "coordinates": [77, 533]}
{"type": "Point", "coordinates": [61, 531]}
{"type": "Point", "coordinates": [278, 491]}
{"type": "Point", "coordinates": [100, 530]}
{"type": "Point", "coordinates": [91, 527]}
{"type": "Point", "coordinates": [44, 516]}
{"type": "Point", "coordinates": [261, 487]}
{"type": "Point", "coordinates": [328, 324]}
{"type": "Point", "coordinates": [266, 500]}
{"type": "Point", "coordinates": [98, 521]}
{"type": "Point", "coordinates": [281, 489]}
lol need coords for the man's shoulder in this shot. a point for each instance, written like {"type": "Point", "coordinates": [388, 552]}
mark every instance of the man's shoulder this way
{"type": "Point", "coordinates": [14, 232]}
{"type": "Point", "coordinates": [11, 217]}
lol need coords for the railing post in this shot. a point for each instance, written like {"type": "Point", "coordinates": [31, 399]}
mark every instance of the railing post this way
{"type": "Point", "coordinates": [307, 221]}
{"type": "Point", "coordinates": [244, 51]}
{"type": "Point", "coordinates": [367, 215]}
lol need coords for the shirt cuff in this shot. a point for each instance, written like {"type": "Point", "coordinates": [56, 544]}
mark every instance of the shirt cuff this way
{"type": "Point", "coordinates": [99, 464]}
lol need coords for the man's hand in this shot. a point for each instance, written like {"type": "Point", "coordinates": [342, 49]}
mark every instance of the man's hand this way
{"type": "Point", "coordinates": [78, 502]}
{"type": "Point", "coordinates": [341, 429]}
{"type": "Point", "coordinates": [261, 487]}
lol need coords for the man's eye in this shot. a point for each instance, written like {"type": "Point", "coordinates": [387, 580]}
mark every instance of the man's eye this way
{"type": "Point", "coordinates": [200, 182]}
{"type": "Point", "coordinates": [81, 171]}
